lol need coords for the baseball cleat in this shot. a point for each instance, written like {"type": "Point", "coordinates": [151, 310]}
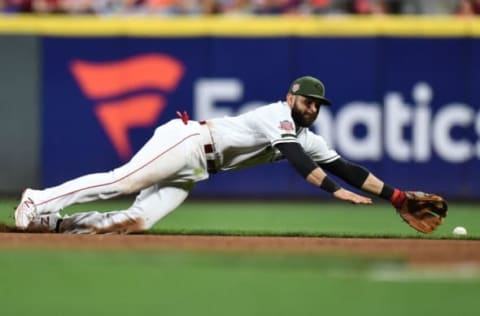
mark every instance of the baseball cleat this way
{"type": "Point", "coordinates": [44, 223]}
{"type": "Point", "coordinates": [25, 211]}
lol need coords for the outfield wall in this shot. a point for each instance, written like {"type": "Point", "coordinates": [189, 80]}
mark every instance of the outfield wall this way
{"type": "Point", "coordinates": [19, 112]}
{"type": "Point", "coordinates": [405, 92]}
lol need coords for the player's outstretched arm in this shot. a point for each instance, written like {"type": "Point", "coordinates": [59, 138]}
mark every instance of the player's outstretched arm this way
{"type": "Point", "coordinates": [306, 167]}
{"type": "Point", "coordinates": [319, 178]}
{"type": "Point", "coordinates": [361, 178]}
{"type": "Point", "coordinates": [422, 211]}
{"type": "Point", "coordinates": [352, 197]}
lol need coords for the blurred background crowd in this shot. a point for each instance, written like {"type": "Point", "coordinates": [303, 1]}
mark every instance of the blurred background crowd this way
{"type": "Point", "coordinates": [239, 7]}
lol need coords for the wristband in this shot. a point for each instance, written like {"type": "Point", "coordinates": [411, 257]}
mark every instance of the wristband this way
{"type": "Point", "coordinates": [329, 186]}
{"type": "Point", "coordinates": [387, 192]}
{"type": "Point", "coordinates": [397, 198]}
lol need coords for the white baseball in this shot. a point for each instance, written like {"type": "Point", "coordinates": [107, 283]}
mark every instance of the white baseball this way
{"type": "Point", "coordinates": [459, 231]}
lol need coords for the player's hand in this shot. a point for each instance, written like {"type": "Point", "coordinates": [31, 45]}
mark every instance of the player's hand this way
{"type": "Point", "coordinates": [349, 196]}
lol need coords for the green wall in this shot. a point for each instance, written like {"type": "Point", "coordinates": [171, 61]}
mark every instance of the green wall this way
{"type": "Point", "coordinates": [20, 132]}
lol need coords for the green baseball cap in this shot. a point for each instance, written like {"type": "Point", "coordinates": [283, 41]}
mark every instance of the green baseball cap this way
{"type": "Point", "coordinates": [309, 87]}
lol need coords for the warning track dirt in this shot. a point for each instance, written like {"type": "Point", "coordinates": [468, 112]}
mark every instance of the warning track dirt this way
{"type": "Point", "coordinates": [414, 251]}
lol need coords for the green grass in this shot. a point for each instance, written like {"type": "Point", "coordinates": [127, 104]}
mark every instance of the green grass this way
{"type": "Point", "coordinates": [307, 219]}
{"type": "Point", "coordinates": [287, 218]}
{"type": "Point", "coordinates": [179, 283]}
{"type": "Point", "coordinates": [184, 283]}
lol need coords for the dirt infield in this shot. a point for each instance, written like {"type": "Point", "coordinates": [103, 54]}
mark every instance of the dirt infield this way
{"type": "Point", "coordinates": [415, 251]}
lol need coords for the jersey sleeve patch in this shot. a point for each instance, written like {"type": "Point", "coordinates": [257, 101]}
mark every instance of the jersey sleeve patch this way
{"type": "Point", "coordinates": [286, 126]}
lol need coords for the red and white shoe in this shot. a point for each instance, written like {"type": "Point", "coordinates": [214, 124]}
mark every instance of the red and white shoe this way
{"type": "Point", "coordinates": [26, 210]}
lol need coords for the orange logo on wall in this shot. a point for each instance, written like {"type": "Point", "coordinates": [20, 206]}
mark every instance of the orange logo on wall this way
{"type": "Point", "coordinates": [110, 79]}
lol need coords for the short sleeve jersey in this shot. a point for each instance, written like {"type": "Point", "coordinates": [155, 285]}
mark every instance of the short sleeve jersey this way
{"type": "Point", "coordinates": [249, 139]}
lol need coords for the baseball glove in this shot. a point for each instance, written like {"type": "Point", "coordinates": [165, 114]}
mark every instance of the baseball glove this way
{"type": "Point", "coordinates": [423, 211]}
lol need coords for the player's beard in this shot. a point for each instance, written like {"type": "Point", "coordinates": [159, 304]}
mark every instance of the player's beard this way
{"type": "Point", "coordinates": [302, 119]}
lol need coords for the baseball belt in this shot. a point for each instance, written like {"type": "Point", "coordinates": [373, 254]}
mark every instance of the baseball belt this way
{"type": "Point", "coordinates": [213, 158]}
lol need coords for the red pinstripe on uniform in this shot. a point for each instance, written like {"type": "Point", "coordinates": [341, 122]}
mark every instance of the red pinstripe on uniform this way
{"type": "Point", "coordinates": [126, 176]}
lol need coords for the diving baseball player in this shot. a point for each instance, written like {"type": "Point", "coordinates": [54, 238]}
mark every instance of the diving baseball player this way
{"type": "Point", "coordinates": [182, 152]}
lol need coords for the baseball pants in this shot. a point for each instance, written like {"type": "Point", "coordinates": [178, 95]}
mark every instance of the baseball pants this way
{"type": "Point", "coordinates": [164, 171]}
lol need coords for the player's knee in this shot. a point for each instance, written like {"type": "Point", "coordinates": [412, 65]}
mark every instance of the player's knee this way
{"type": "Point", "coordinates": [131, 223]}
{"type": "Point", "coordinates": [136, 225]}
{"type": "Point", "coordinates": [147, 225]}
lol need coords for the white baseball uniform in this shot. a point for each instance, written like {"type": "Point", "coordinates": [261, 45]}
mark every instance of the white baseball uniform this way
{"type": "Point", "coordinates": [166, 168]}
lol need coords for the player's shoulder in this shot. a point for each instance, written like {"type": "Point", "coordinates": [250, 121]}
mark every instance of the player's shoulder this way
{"type": "Point", "coordinates": [303, 132]}
{"type": "Point", "coordinates": [279, 107]}
{"type": "Point", "coordinates": [306, 134]}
